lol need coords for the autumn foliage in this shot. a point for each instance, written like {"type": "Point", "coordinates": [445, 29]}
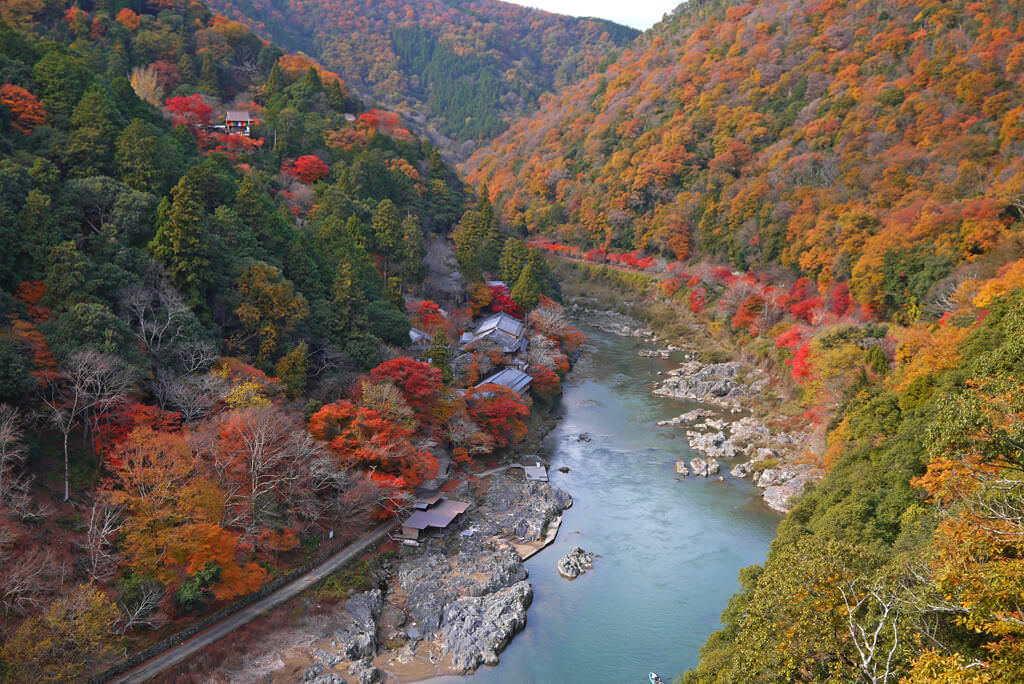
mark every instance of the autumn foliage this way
{"type": "Point", "coordinates": [500, 412]}
{"type": "Point", "coordinates": [361, 437]}
{"type": "Point", "coordinates": [25, 109]}
{"type": "Point", "coordinates": [308, 168]}
{"type": "Point", "coordinates": [420, 385]}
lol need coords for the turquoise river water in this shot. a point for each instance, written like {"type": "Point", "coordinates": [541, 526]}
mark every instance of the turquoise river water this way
{"type": "Point", "coordinates": [669, 548]}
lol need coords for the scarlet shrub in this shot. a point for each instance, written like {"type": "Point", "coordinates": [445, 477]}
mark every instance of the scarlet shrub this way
{"type": "Point", "coordinates": [499, 412]}
{"type": "Point", "coordinates": [308, 168]}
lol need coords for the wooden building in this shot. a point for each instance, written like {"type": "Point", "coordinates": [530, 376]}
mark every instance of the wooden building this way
{"type": "Point", "coordinates": [513, 378]}
{"type": "Point", "coordinates": [437, 512]}
{"type": "Point", "coordinates": [238, 122]}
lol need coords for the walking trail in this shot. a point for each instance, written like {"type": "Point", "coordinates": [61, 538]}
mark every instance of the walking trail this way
{"type": "Point", "coordinates": [167, 659]}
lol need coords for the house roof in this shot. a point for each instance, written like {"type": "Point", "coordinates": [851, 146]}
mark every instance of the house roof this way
{"type": "Point", "coordinates": [536, 472]}
{"type": "Point", "coordinates": [507, 331]}
{"type": "Point", "coordinates": [516, 380]}
{"type": "Point", "coordinates": [419, 338]}
{"type": "Point", "coordinates": [440, 515]}
{"type": "Point", "coordinates": [237, 115]}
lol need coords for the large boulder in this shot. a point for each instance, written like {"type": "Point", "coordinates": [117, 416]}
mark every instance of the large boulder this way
{"type": "Point", "coordinates": [365, 672]}
{"type": "Point", "coordinates": [681, 468]}
{"type": "Point", "coordinates": [357, 638]}
{"type": "Point", "coordinates": [575, 563]}
{"type": "Point", "coordinates": [781, 497]}
{"type": "Point", "coordinates": [476, 628]}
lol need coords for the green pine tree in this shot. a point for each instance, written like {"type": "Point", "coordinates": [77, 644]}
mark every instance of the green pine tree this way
{"type": "Point", "coordinates": [180, 243]}
{"type": "Point", "coordinates": [440, 355]}
{"type": "Point", "coordinates": [387, 231]}
{"type": "Point", "coordinates": [136, 156]}
{"type": "Point", "coordinates": [209, 77]}
{"type": "Point", "coordinates": [414, 251]}
{"type": "Point", "coordinates": [526, 292]}
{"type": "Point", "coordinates": [513, 259]}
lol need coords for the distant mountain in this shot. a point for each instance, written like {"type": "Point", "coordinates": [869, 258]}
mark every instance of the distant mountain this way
{"type": "Point", "coordinates": [464, 69]}
{"type": "Point", "coordinates": [846, 142]}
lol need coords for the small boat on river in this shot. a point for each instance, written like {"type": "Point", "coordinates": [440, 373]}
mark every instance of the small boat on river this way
{"type": "Point", "coordinates": [655, 679]}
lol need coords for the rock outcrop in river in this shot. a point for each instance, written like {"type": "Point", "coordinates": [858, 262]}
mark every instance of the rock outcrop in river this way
{"type": "Point", "coordinates": [714, 383]}
{"type": "Point", "coordinates": [767, 454]}
{"type": "Point", "coordinates": [575, 563]}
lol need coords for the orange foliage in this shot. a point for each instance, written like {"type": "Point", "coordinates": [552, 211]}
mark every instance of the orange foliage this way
{"type": "Point", "coordinates": [25, 109]}
{"type": "Point", "coordinates": [128, 18]}
{"type": "Point", "coordinates": [361, 437]}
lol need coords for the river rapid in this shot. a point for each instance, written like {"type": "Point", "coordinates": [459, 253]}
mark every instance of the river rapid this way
{"type": "Point", "coordinates": [669, 548]}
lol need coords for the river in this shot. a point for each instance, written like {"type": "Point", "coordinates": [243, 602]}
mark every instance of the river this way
{"type": "Point", "coordinates": [669, 548]}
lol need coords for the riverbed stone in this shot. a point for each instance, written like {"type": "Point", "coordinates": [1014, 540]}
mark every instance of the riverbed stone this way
{"type": "Point", "coordinates": [575, 563]}
{"type": "Point", "coordinates": [328, 678]}
{"type": "Point", "coordinates": [681, 468]}
{"type": "Point", "coordinates": [365, 672]}
{"type": "Point", "coordinates": [357, 637]}
{"type": "Point", "coordinates": [704, 467]}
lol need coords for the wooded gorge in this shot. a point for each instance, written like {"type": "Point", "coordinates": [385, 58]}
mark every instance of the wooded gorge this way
{"type": "Point", "coordinates": [462, 69]}
{"type": "Point", "coordinates": [237, 295]}
{"type": "Point", "coordinates": [213, 257]}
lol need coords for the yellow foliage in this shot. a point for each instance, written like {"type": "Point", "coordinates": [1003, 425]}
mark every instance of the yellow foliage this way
{"type": "Point", "coordinates": [933, 667]}
{"type": "Point", "coordinates": [146, 85]}
{"type": "Point", "coordinates": [836, 442]}
{"type": "Point", "coordinates": [924, 351]}
{"type": "Point", "coordinates": [245, 395]}
{"type": "Point", "coordinates": [1008, 278]}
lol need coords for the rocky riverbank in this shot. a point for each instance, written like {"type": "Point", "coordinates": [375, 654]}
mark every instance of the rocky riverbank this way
{"type": "Point", "coordinates": [611, 322]}
{"type": "Point", "coordinates": [765, 452]}
{"type": "Point", "coordinates": [446, 606]}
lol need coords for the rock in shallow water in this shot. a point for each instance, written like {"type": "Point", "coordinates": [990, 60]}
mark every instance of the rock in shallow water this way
{"type": "Point", "coordinates": [704, 467]}
{"type": "Point", "coordinates": [681, 468]}
{"type": "Point", "coordinates": [575, 563]}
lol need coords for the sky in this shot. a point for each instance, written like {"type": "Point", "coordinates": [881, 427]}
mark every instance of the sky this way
{"type": "Point", "coordinates": [640, 14]}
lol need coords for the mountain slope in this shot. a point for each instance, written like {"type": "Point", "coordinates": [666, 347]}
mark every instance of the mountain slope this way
{"type": "Point", "coordinates": [826, 136]}
{"type": "Point", "coordinates": [469, 68]}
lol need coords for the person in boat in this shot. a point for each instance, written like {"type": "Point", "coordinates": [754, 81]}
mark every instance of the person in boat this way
{"type": "Point", "coordinates": [655, 679]}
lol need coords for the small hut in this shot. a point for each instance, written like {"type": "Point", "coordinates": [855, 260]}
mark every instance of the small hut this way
{"type": "Point", "coordinates": [438, 513]}
{"type": "Point", "coordinates": [419, 341]}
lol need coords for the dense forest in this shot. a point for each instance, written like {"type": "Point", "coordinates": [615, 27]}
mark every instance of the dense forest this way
{"type": "Point", "coordinates": [835, 139]}
{"type": "Point", "coordinates": [469, 68]}
{"type": "Point", "coordinates": [212, 261]}
{"type": "Point", "coordinates": [233, 296]}
{"type": "Point", "coordinates": [836, 188]}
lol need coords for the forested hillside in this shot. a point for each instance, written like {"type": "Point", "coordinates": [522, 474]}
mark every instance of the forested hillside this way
{"type": "Point", "coordinates": [211, 262]}
{"type": "Point", "coordinates": [835, 188]}
{"type": "Point", "coordinates": [470, 68]}
{"type": "Point", "coordinates": [838, 139]}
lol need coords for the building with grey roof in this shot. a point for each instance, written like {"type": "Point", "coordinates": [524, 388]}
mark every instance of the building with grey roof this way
{"type": "Point", "coordinates": [513, 378]}
{"type": "Point", "coordinates": [440, 514]}
{"type": "Point", "coordinates": [508, 332]}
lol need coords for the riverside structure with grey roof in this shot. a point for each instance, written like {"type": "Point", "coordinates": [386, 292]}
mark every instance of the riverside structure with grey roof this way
{"type": "Point", "coordinates": [513, 378]}
{"type": "Point", "coordinates": [508, 332]}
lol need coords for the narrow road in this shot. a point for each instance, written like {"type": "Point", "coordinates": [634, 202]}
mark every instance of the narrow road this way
{"type": "Point", "coordinates": [156, 665]}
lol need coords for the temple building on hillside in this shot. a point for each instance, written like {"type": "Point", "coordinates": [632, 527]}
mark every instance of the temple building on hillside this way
{"type": "Point", "coordinates": [238, 122]}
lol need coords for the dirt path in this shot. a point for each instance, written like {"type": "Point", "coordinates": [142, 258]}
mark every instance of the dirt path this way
{"type": "Point", "coordinates": [167, 659]}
